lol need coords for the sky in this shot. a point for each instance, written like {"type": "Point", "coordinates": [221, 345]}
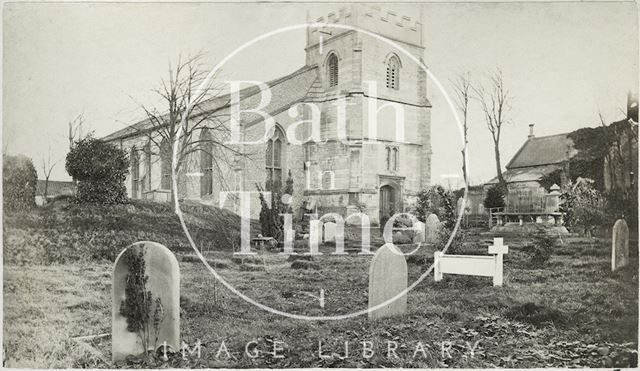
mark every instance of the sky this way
{"type": "Point", "coordinates": [562, 63]}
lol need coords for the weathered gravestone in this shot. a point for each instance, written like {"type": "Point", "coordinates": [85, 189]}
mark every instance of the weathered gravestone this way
{"type": "Point", "coordinates": [419, 228]}
{"type": "Point", "coordinates": [620, 245]}
{"type": "Point", "coordinates": [329, 232]}
{"type": "Point", "coordinates": [432, 226]}
{"type": "Point", "coordinates": [145, 299]}
{"type": "Point", "coordinates": [387, 279]}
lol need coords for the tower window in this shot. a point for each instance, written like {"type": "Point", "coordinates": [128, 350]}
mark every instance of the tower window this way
{"type": "Point", "coordinates": [332, 70]}
{"type": "Point", "coordinates": [392, 158]}
{"type": "Point", "coordinates": [393, 73]}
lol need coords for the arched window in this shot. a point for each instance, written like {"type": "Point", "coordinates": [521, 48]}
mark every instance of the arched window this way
{"type": "Point", "coordinates": [146, 181]}
{"type": "Point", "coordinates": [395, 159]}
{"type": "Point", "coordinates": [206, 163]}
{"type": "Point", "coordinates": [388, 153]}
{"type": "Point", "coordinates": [392, 158]}
{"type": "Point", "coordinates": [274, 161]}
{"type": "Point", "coordinates": [165, 164]}
{"type": "Point", "coordinates": [135, 172]}
{"type": "Point", "coordinates": [332, 70]}
{"type": "Point", "coordinates": [393, 73]}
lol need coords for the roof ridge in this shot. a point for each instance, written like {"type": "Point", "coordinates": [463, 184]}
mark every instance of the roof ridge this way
{"type": "Point", "coordinates": [552, 135]}
{"type": "Point", "coordinates": [249, 90]}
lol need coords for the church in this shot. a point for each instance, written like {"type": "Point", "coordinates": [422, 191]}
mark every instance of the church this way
{"type": "Point", "coordinates": [361, 87]}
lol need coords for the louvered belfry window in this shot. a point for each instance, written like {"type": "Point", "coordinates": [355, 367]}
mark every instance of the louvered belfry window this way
{"type": "Point", "coordinates": [393, 72]}
{"type": "Point", "coordinates": [333, 70]}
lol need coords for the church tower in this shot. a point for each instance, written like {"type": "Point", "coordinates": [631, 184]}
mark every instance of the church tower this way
{"type": "Point", "coordinates": [370, 76]}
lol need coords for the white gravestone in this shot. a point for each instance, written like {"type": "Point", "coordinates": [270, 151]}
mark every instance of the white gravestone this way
{"type": "Point", "coordinates": [329, 232]}
{"type": "Point", "coordinates": [472, 265]}
{"type": "Point", "coordinates": [387, 279]}
{"type": "Point", "coordinates": [419, 228]}
{"type": "Point", "coordinates": [619, 245]}
{"type": "Point", "coordinates": [432, 226]}
{"type": "Point", "coordinates": [163, 282]}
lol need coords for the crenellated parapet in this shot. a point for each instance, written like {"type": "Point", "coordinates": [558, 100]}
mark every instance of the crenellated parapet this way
{"type": "Point", "coordinates": [374, 18]}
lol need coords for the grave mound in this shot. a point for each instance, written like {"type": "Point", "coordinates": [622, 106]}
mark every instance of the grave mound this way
{"type": "Point", "coordinates": [304, 264]}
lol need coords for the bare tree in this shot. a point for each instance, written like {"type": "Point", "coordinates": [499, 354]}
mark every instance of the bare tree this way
{"type": "Point", "coordinates": [495, 102]}
{"type": "Point", "coordinates": [189, 93]}
{"type": "Point", "coordinates": [462, 89]}
{"type": "Point", "coordinates": [75, 129]}
{"type": "Point", "coordinates": [47, 165]}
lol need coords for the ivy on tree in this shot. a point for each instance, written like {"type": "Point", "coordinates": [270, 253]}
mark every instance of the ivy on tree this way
{"type": "Point", "coordinates": [101, 169]}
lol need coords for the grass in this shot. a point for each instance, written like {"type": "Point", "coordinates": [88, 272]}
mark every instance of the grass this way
{"type": "Point", "coordinates": [570, 312]}
{"type": "Point", "coordinates": [65, 232]}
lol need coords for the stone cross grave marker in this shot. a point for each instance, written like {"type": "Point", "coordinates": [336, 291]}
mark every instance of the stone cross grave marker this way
{"type": "Point", "coordinates": [160, 267]}
{"type": "Point", "coordinates": [329, 232]}
{"type": "Point", "coordinates": [619, 245]}
{"type": "Point", "coordinates": [387, 279]}
{"type": "Point", "coordinates": [419, 228]}
{"type": "Point", "coordinates": [432, 225]}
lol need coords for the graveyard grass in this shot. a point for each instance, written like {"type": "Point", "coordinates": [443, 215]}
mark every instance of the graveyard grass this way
{"type": "Point", "coordinates": [569, 312]}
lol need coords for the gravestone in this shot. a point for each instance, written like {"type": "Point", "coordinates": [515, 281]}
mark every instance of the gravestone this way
{"type": "Point", "coordinates": [159, 265]}
{"type": "Point", "coordinates": [419, 228]}
{"type": "Point", "coordinates": [620, 245]}
{"type": "Point", "coordinates": [432, 226]}
{"type": "Point", "coordinates": [387, 279]}
{"type": "Point", "coordinates": [329, 232]}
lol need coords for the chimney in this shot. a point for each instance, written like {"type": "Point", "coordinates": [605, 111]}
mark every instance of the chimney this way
{"type": "Point", "coordinates": [531, 135]}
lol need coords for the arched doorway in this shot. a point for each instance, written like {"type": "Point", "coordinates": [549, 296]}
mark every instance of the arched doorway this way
{"type": "Point", "coordinates": [388, 200]}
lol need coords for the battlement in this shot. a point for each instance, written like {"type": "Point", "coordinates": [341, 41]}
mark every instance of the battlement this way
{"type": "Point", "coordinates": [374, 18]}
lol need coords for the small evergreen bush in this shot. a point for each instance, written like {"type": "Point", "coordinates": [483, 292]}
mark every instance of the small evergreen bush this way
{"type": "Point", "coordinates": [19, 179]}
{"type": "Point", "coordinates": [271, 223]}
{"type": "Point", "coordinates": [494, 198]}
{"type": "Point", "coordinates": [541, 249]}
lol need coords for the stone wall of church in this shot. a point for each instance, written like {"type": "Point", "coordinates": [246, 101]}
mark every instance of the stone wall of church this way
{"type": "Point", "coordinates": [336, 176]}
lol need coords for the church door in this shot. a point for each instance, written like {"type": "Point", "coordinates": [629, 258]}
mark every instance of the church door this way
{"type": "Point", "coordinates": [387, 201]}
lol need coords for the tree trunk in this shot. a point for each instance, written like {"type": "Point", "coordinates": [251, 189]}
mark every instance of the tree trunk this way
{"type": "Point", "coordinates": [46, 187]}
{"type": "Point", "coordinates": [503, 183]}
{"type": "Point", "coordinates": [464, 167]}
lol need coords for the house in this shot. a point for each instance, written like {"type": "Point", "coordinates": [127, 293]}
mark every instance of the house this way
{"type": "Point", "coordinates": [377, 173]}
{"type": "Point", "coordinates": [527, 174]}
{"type": "Point", "coordinates": [54, 188]}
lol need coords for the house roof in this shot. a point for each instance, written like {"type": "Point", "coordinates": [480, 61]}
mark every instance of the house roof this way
{"type": "Point", "coordinates": [526, 174]}
{"type": "Point", "coordinates": [285, 91]}
{"type": "Point", "coordinates": [55, 188]}
{"type": "Point", "coordinates": [540, 151]}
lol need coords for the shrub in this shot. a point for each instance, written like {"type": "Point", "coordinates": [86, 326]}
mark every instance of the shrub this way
{"type": "Point", "coordinates": [19, 179]}
{"type": "Point", "coordinates": [100, 169]}
{"type": "Point", "coordinates": [623, 206]}
{"type": "Point", "coordinates": [583, 205]}
{"type": "Point", "coordinates": [494, 198]}
{"type": "Point", "coordinates": [541, 249]}
{"type": "Point", "coordinates": [437, 200]}
{"type": "Point", "coordinates": [271, 223]}
{"type": "Point", "coordinates": [456, 243]}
